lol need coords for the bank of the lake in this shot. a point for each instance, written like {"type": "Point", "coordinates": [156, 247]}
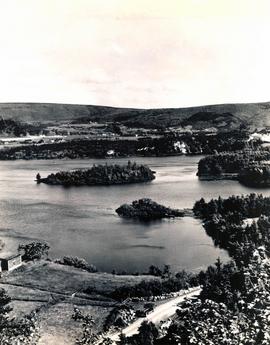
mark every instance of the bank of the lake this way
{"type": "Point", "coordinates": [82, 220]}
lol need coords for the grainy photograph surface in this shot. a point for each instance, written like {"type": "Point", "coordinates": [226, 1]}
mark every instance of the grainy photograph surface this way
{"type": "Point", "coordinates": [134, 172]}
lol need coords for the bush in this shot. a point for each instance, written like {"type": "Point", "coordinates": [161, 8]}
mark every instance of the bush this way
{"type": "Point", "coordinates": [34, 250]}
{"type": "Point", "coordinates": [78, 263]}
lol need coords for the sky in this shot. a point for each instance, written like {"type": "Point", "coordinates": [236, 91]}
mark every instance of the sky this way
{"type": "Point", "coordinates": [135, 53]}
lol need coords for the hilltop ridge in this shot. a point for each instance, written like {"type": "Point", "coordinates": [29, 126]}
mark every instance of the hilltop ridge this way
{"type": "Point", "coordinates": [220, 116]}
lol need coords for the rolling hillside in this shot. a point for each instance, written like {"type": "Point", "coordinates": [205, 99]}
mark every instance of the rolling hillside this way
{"type": "Point", "coordinates": [224, 116]}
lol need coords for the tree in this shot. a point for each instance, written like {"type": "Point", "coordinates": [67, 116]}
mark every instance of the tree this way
{"type": "Point", "coordinates": [166, 271]}
{"type": "Point", "coordinates": [4, 308]}
{"type": "Point", "coordinates": [34, 250]}
{"type": "Point", "coordinates": [38, 177]}
{"type": "Point", "coordinates": [122, 339]}
{"type": "Point", "coordinates": [154, 271]}
{"type": "Point", "coordinates": [78, 263]}
{"type": "Point", "coordinates": [148, 333]}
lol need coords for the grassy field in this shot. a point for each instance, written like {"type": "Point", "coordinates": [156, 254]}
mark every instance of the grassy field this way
{"type": "Point", "coordinates": [58, 328]}
{"type": "Point", "coordinates": [49, 276]}
{"type": "Point", "coordinates": [54, 290]}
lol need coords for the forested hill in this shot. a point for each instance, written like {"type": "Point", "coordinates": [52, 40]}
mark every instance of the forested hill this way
{"type": "Point", "coordinates": [224, 116]}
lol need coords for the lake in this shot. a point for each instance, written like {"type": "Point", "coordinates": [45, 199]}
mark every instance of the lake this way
{"type": "Point", "coordinates": [81, 221]}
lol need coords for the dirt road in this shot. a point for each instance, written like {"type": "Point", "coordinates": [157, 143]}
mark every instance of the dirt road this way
{"type": "Point", "coordinates": [160, 313]}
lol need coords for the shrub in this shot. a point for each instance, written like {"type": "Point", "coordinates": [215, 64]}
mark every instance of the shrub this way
{"type": "Point", "coordinates": [34, 250]}
{"type": "Point", "coordinates": [78, 263]}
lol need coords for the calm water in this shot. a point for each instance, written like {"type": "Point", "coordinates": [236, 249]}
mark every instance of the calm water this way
{"type": "Point", "coordinates": [81, 220]}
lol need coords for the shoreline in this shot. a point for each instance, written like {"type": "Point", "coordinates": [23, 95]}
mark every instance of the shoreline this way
{"type": "Point", "coordinates": [233, 177]}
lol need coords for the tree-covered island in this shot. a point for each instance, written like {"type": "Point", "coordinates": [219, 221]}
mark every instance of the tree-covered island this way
{"type": "Point", "coordinates": [147, 209]}
{"type": "Point", "coordinates": [101, 175]}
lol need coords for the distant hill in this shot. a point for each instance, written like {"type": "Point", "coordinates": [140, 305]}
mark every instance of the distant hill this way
{"type": "Point", "coordinates": [222, 116]}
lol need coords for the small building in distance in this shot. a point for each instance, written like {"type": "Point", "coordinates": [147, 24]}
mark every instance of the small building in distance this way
{"type": "Point", "coordinates": [10, 261]}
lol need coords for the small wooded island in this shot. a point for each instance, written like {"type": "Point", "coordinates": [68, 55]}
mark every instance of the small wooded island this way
{"type": "Point", "coordinates": [147, 209]}
{"type": "Point", "coordinates": [101, 175]}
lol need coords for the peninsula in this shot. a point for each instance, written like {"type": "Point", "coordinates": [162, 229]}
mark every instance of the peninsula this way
{"type": "Point", "coordinates": [249, 167]}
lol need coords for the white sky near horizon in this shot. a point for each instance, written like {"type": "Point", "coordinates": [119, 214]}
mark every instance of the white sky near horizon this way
{"type": "Point", "coordinates": [135, 53]}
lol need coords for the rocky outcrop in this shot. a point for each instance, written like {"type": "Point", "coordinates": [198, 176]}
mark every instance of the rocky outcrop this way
{"type": "Point", "coordinates": [147, 209]}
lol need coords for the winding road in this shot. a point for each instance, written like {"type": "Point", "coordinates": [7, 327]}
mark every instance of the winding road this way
{"type": "Point", "coordinates": [160, 313]}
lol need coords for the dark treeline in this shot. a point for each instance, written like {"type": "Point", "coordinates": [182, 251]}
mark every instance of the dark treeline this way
{"type": "Point", "coordinates": [255, 176]}
{"type": "Point", "coordinates": [199, 143]}
{"type": "Point", "coordinates": [203, 143]}
{"type": "Point", "coordinates": [231, 162]}
{"type": "Point", "coordinates": [238, 207]}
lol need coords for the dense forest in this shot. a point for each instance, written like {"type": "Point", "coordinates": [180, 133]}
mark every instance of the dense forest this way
{"type": "Point", "coordinates": [244, 206]}
{"type": "Point", "coordinates": [225, 221]}
{"type": "Point", "coordinates": [231, 162]}
{"type": "Point", "coordinates": [165, 145]}
{"type": "Point", "coordinates": [233, 307]}
{"type": "Point", "coordinates": [255, 176]}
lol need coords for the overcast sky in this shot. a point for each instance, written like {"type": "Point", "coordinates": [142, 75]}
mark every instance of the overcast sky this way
{"type": "Point", "coordinates": [139, 53]}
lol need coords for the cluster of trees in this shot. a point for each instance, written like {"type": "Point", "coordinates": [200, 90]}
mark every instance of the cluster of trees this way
{"type": "Point", "coordinates": [148, 334]}
{"type": "Point", "coordinates": [156, 271]}
{"type": "Point", "coordinates": [232, 309]}
{"type": "Point", "coordinates": [11, 127]}
{"type": "Point", "coordinates": [78, 263]}
{"type": "Point", "coordinates": [34, 250]}
{"type": "Point", "coordinates": [12, 331]}
{"type": "Point", "coordinates": [155, 287]}
{"type": "Point", "coordinates": [231, 162]}
{"type": "Point", "coordinates": [202, 143]}
{"type": "Point", "coordinates": [244, 206]}
{"type": "Point", "coordinates": [87, 337]}
{"type": "Point", "coordinates": [224, 221]}
{"type": "Point", "coordinates": [147, 209]}
{"type": "Point", "coordinates": [102, 175]}
{"type": "Point", "coordinates": [256, 176]}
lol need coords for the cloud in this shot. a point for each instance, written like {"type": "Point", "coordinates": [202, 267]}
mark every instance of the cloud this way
{"type": "Point", "coordinates": [148, 53]}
